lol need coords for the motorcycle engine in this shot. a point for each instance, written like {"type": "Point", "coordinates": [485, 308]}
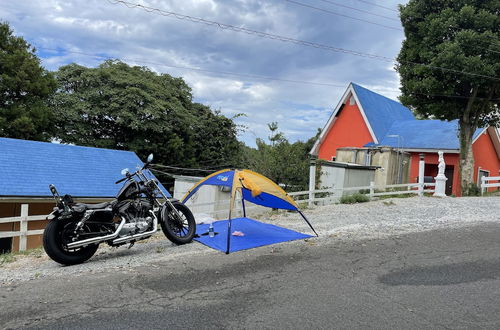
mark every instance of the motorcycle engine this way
{"type": "Point", "coordinates": [138, 217]}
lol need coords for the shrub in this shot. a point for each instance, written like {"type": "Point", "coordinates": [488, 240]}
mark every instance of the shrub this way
{"type": "Point", "coordinates": [354, 198]}
{"type": "Point", "coordinates": [472, 190]}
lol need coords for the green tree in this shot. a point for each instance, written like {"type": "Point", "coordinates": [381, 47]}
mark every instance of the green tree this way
{"type": "Point", "coordinates": [283, 162]}
{"type": "Point", "coordinates": [24, 88]}
{"type": "Point", "coordinates": [129, 107]}
{"type": "Point", "coordinates": [460, 36]}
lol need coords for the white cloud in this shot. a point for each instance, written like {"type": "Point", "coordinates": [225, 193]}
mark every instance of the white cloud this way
{"type": "Point", "coordinates": [99, 27]}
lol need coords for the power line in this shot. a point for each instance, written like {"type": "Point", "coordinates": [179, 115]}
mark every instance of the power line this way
{"type": "Point", "coordinates": [376, 5]}
{"type": "Point", "coordinates": [360, 10]}
{"type": "Point", "coordinates": [141, 61]}
{"type": "Point", "coordinates": [342, 15]}
{"type": "Point", "coordinates": [288, 39]}
{"type": "Point", "coordinates": [238, 74]}
{"type": "Point", "coordinates": [184, 168]}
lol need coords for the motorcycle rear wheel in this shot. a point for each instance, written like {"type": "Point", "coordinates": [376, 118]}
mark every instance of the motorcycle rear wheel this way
{"type": "Point", "coordinates": [54, 237]}
{"type": "Point", "coordinates": [179, 231]}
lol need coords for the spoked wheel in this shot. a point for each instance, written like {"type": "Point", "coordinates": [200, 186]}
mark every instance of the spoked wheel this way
{"type": "Point", "coordinates": [57, 235]}
{"type": "Point", "coordinates": [180, 226]}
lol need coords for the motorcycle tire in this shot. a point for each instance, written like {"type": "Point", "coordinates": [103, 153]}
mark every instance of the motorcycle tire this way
{"type": "Point", "coordinates": [176, 231]}
{"type": "Point", "coordinates": [53, 244]}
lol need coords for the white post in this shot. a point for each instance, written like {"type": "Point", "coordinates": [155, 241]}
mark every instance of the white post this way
{"type": "Point", "coordinates": [421, 171]}
{"type": "Point", "coordinates": [312, 181]}
{"type": "Point", "coordinates": [483, 181]}
{"type": "Point", "coordinates": [440, 179]}
{"type": "Point", "coordinates": [23, 228]}
{"type": "Point", "coordinates": [372, 188]}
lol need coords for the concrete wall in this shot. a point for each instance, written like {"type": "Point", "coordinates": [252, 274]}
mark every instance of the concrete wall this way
{"type": "Point", "coordinates": [388, 159]}
{"type": "Point", "coordinates": [217, 195]}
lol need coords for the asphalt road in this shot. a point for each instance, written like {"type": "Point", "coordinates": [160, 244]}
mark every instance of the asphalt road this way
{"type": "Point", "coordinates": [437, 279]}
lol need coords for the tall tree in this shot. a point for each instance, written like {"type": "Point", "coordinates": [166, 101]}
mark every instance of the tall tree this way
{"type": "Point", "coordinates": [461, 36]}
{"type": "Point", "coordinates": [24, 88]}
{"type": "Point", "coordinates": [283, 162]}
{"type": "Point", "coordinates": [129, 107]}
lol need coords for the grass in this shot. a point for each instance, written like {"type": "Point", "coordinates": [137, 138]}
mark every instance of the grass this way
{"type": "Point", "coordinates": [354, 198]}
{"type": "Point", "coordinates": [12, 256]}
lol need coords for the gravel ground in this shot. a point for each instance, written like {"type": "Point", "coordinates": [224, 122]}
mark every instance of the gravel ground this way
{"type": "Point", "coordinates": [376, 219]}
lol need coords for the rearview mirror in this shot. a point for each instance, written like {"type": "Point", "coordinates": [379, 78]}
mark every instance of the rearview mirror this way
{"type": "Point", "coordinates": [150, 158]}
{"type": "Point", "coordinates": [125, 171]}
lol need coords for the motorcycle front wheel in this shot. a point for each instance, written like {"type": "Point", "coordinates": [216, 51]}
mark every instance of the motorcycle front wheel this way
{"type": "Point", "coordinates": [55, 237]}
{"type": "Point", "coordinates": [178, 230]}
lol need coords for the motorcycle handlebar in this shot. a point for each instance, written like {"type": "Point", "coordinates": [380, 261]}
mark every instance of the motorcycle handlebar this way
{"type": "Point", "coordinates": [121, 180]}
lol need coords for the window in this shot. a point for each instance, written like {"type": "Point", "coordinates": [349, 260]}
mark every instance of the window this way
{"type": "Point", "coordinates": [480, 174]}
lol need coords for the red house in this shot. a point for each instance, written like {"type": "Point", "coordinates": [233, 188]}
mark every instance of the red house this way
{"type": "Point", "coordinates": [364, 118]}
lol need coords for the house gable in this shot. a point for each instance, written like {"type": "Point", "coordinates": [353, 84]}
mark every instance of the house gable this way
{"type": "Point", "coordinates": [378, 113]}
{"type": "Point", "coordinates": [348, 129]}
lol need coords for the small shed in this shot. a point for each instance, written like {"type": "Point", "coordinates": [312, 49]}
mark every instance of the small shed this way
{"type": "Point", "coordinates": [28, 167]}
{"type": "Point", "coordinates": [344, 175]}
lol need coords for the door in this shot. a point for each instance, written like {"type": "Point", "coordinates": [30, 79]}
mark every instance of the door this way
{"type": "Point", "coordinates": [448, 173]}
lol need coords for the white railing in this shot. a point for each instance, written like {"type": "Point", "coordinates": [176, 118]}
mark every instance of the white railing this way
{"type": "Point", "coordinates": [485, 185]}
{"type": "Point", "coordinates": [372, 191]}
{"type": "Point", "coordinates": [23, 231]}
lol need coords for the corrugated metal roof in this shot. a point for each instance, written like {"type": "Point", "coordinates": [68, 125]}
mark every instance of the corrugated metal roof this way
{"type": "Point", "coordinates": [381, 111]}
{"type": "Point", "coordinates": [28, 167]}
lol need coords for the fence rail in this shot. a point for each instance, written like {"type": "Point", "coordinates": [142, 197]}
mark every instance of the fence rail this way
{"type": "Point", "coordinates": [485, 185]}
{"type": "Point", "coordinates": [372, 191]}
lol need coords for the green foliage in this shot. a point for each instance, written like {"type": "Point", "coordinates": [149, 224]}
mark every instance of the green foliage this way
{"type": "Point", "coordinates": [457, 35]}
{"type": "Point", "coordinates": [133, 108]}
{"type": "Point", "coordinates": [24, 89]}
{"type": "Point", "coordinates": [460, 36]}
{"type": "Point", "coordinates": [472, 190]}
{"type": "Point", "coordinates": [354, 198]}
{"type": "Point", "coordinates": [283, 162]}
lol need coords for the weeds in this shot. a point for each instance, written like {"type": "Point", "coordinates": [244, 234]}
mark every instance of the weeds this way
{"type": "Point", "coordinates": [354, 198]}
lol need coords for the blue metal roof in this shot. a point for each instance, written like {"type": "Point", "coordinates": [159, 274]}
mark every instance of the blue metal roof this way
{"type": "Point", "coordinates": [381, 111]}
{"type": "Point", "coordinates": [28, 167]}
{"type": "Point", "coordinates": [423, 134]}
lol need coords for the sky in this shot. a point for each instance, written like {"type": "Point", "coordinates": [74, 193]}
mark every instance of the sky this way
{"type": "Point", "coordinates": [79, 30]}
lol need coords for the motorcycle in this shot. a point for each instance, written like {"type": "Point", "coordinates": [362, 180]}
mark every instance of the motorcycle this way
{"type": "Point", "coordinates": [75, 230]}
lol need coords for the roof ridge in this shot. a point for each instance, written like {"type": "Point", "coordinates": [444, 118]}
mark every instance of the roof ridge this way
{"type": "Point", "coordinates": [375, 93]}
{"type": "Point", "coordinates": [63, 144]}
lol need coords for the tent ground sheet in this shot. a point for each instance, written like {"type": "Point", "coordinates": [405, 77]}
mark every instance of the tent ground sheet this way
{"type": "Point", "coordinates": [255, 234]}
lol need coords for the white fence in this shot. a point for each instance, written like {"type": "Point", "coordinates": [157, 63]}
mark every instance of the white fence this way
{"type": "Point", "coordinates": [485, 185]}
{"type": "Point", "coordinates": [23, 232]}
{"type": "Point", "coordinates": [334, 194]}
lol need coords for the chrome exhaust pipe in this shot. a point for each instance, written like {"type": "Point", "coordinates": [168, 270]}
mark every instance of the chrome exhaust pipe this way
{"type": "Point", "coordinates": [126, 239]}
{"type": "Point", "coordinates": [99, 239]}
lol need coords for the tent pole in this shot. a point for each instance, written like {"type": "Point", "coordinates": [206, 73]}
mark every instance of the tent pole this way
{"type": "Point", "coordinates": [243, 205]}
{"type": "Point", "coordinates": [231, 205]}
{"type": "Point", "coordinates": [303, 216]}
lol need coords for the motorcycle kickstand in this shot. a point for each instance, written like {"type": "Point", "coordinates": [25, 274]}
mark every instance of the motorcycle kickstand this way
{"type": "Point", "coordinates": [131, 244]}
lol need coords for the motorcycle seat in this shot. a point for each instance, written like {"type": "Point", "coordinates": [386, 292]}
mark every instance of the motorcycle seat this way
{"type": "Point", "coordinates": [92, 206]}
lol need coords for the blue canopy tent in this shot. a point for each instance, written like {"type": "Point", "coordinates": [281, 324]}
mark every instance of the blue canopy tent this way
{"type": "Point", "coordinates": [257, 189]}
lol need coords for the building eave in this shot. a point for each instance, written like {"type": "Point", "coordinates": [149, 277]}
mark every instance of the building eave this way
{"type": "Point", "coordinates": [349, 92]}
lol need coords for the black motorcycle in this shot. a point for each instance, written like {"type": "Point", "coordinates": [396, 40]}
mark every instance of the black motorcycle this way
{"type": "Point", "coordinates": [75, 230]}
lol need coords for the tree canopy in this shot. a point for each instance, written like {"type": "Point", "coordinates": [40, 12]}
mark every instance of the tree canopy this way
{"type": "Point", "coordinates": [463, 38]}
{"type": "Point", "coordinates": [24, 88]}
{"type": "Point", "coordinates": [133, 108]}
{"type": "Point", "coordinates": [283, 162]}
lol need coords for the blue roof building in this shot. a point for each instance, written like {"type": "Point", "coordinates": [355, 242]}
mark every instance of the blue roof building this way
{"type": "Point", "coordinates": [373, 123]}
{"type": "Point", "coordinates": [28, 167]}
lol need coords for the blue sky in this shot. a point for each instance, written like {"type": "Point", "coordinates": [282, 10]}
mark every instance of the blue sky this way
{"type": "Point", "coordinates": [102, 28]}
